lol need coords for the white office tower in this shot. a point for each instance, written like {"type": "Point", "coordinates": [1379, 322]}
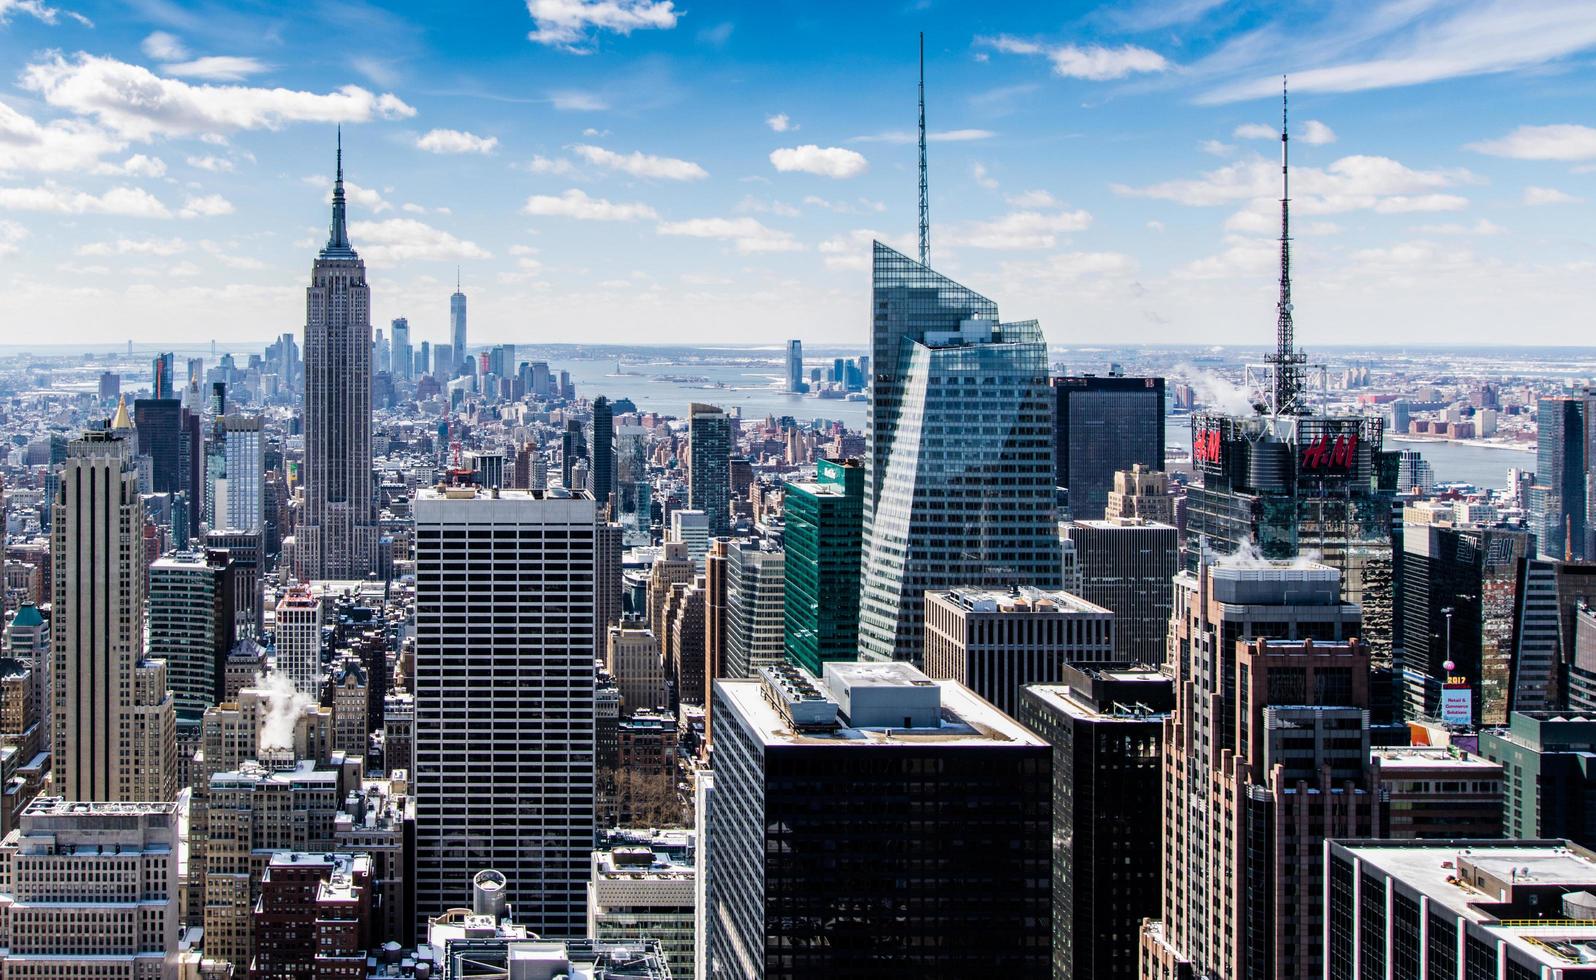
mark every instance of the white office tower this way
{"type": "Point", "coordinates": [504, 690]}
{"type": "Point", "coordinates": [102, 686]}
{"type": "Point", "coordinates": [90, 890]}
{"type": "Point", "coordinates": [691, 527]}
{"type": "Point", "coordinates": [243, 506]}
{"type": "Point", "coordinates": [337, 536]}
{"type": "Point", "coordinates": [298, 632]}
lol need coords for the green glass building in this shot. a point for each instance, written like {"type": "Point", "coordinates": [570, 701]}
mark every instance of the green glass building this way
{"type": "Point", "coordinates": [825, 521]}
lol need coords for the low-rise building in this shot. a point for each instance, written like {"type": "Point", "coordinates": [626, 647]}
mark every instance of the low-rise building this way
{"type": "Point", "coordinates": [643, 886]}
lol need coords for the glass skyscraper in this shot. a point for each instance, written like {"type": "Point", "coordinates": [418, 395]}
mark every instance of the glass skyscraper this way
{"type": "Point", "coordinates": [824, 520]}
{"type": "Point", "coordinates": [959, 484]}
{"type": "Point", "coordinates": [1557, 500]}
{"type": "Point", "coordinates": [1104, 425]}
{"type": "Point", "coordinates": [709, 469]}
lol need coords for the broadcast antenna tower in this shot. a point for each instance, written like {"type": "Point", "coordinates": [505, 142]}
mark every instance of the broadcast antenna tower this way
{"type": "Point", "coordinates": [925, 205]}
{"type": "Point", "coordinates": [1287, 361]}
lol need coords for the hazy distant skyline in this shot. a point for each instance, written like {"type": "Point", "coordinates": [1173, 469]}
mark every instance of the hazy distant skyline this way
{"type": "Point", "coordinates": [645, 172]}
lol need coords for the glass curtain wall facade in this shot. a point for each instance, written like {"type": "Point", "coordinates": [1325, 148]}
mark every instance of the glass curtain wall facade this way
{"type": "Point", "coordinates": [959, 484]}
{"type": "Point", "coordinates": [821, 604]}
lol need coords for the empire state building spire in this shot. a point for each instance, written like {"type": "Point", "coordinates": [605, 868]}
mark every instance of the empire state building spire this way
{"type": "Point", "coordinates": [338, 246]}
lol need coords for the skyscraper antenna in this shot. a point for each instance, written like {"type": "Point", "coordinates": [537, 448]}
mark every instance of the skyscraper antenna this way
{"type": "Point", "coordinates": [457, 279]}
{"type": "Point", "coordinates": [925, 200]}
{"type": "Point", "coordinates": [340, 153]}
{"type": "Point", "coordinates": [1287, 360]}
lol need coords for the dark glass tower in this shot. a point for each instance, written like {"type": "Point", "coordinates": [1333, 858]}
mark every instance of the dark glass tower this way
{"type": "Point", "coordinates": [1558, 497]}
{"type": "Point", "coordinates": [1102, 425]}
{"type": "Point", "coordinates": [832, 849]}
{"type": "Point", "coordinates": [602, 469]}
{"type": "Point", "coordinates": [709, 470]}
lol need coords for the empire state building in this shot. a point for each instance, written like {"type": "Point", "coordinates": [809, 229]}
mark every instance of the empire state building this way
{"type": "Point", "coordinates": [337, 536]}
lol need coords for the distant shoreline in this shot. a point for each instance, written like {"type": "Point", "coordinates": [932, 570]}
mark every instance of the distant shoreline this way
{"type": "Point", "coordinates": [1511, 447]}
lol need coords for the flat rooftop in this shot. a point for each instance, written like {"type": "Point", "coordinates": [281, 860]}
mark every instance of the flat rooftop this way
{"type": "Point", "coordinates": [964, 719]}
{"type": "Point", "coordinates": [1022, 600]}
{"type": "Point", "coordinates": [1397, 758]}
{"type": "Point", "coordinates": [1434, 869]}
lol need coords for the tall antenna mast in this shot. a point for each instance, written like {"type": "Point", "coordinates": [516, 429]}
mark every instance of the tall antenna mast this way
{"type": "Point", "coordinates": [1287, 360]}
{"type": "Point", "coordinates": [925, 200]}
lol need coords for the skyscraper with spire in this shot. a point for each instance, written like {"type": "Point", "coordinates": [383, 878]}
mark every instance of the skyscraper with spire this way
{"type": "Point", "coordinates": [457, 328]}
{"type": "Point", "coordinates": [337, 539]}
{"type": "Point", "coordinates": [1288, 479]}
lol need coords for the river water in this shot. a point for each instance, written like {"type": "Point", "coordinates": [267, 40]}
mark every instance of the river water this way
{"type": "Point", "coordinates": [755, 390]}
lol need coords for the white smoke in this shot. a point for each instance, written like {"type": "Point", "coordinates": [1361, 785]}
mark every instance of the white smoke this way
{"type": "Point", "coordinates": [285, 703]}
{"type": "Point", "coordinates": [1215, 391]}
{"type": "Point", "coordinates": [1250, 556]}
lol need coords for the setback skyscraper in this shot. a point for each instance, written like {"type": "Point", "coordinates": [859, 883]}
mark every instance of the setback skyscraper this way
{"type": "Point", "coordinates": [959, 485]}
{"type": "Point", "coordinates": [114, 727]}
{"type": "Point", "coordinates": [337, 538]}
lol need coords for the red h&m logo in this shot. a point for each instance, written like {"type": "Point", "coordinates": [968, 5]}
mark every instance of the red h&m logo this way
{"type": "Point", "coordinates": [1330, 454]}
{"type": "Point", "coordinates": [1205, 446]}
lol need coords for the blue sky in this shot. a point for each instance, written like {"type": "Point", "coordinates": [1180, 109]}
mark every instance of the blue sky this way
{"type": "Point", "coordinates": [650, 171]}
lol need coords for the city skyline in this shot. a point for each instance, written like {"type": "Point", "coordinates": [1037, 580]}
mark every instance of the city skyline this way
{"type": "Point", "coordinates": [657, 168]}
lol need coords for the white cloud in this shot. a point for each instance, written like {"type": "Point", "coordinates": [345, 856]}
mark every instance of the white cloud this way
{"type": "Point", "coordinates": [830, 161]}
{"type": "Point", "coordinates": [1316, 133]}
{"type": "Point", "coordinates": [217, 68]}
{"type": "Point", "coordinates": [1019, 229]}
{"type": "Point", "coordinates": [544, 165]}
{"type": "Point", "coordinates": [130, 202]}
{"type": "Point", "coordinates": [456, 141]}
{"type": "Point", "coordinates": [863, 205]}
{"type": "Point", "coordinates": [406, 239]}
{"type": "Point", "coordinates": [569, 24]}
{"type": "Point", "coordinates": [1564, 142]}
{"type": "Point", "coordinates": [575, 204]}
{"type": "Point", "coordinates": [754, 205]}
{"type": "Point", "coordinates": [357, 194]}
{"type": "Point", "coordinates": [935, 136]}
{"type": "Point", "coordinates": [1537, 196]}
{"type": "Point", "coordinates": [57, 146]}
{"type": "Point", "coordinates": [137, 104]}
{"type": "Point", "coordinates": [139, 165]}
{"type": "Point", "coordinates": [1383, 45]}
{"type": "Point", "coordinates": [1092, 62]}
{"type": "Point", "coordinates": [641, 164]}
{"type": "Point", "coordinates": [747, 234]}
{"type": "Point", "coordinates": [1033, 199]}
{"type": "Point", "coordinates": [780, 122]}
{"type": "Point", "coordinates": [10, 234]}
{"type": "Point", "coordinates": [208, 206]}
{"type": "Point", "coordinates": [854, 249]}
{"type": "Point", "coordinates": [1255, 131]}
{"type": "Point", "coordinates": [38, 10]}
{"type": "Point", "coordinates": [215, 164]}
{"type": "Point", "coordinates": [978, 173]}
{"type": "Point", "coordinates": [574, 101]}
{"type": "Point", "coordinates": [1348, 184]}
{"type": "Point", "coordinates": [1480, 227]}
{"type": "Point", "coordinates": [221, 255]}
{"type": "Point", "coordinates": [164, 47]}
{"type": "Point", "coordinates": [134, 246]}
{"type": "Point", "coordinates": [1216, 148]}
